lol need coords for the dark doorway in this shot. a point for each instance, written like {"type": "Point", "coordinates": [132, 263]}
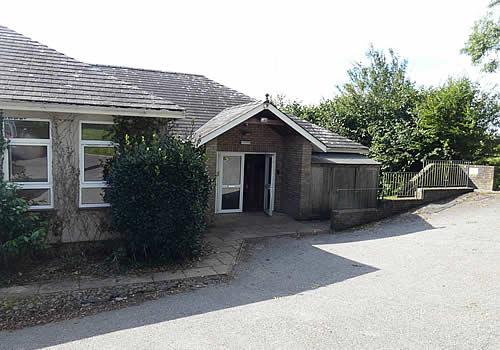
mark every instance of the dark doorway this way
{"type": "Point", "coordinates": [254, 177]}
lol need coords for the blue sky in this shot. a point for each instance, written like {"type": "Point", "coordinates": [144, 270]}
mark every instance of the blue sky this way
{"type": "Point", "coordinates": [298, 48]}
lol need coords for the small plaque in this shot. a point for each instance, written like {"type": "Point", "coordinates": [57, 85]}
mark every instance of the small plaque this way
{"type": "Point", "coordinates": [473, 171]}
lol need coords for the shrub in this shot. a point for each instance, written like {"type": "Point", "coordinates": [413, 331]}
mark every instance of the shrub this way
{"type": "Point", "coordinates": [21, 232]}
{"type": "Point", "coordinates": [158, 194]}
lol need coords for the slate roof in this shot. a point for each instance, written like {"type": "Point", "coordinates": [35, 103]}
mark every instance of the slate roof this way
{"type": "Point", "coordinates": [201, 97]}
{"type": "Point", "coordinates": [32, 72]}
{"type": "Point", "coordinates": [209, 104]}
{"type": "Point", "coordinates": [224, 117]}
{"type": "Point", "coordinates": [333, 141]}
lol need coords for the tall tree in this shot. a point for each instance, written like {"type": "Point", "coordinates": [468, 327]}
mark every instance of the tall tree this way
{"type": "Point", "coordinates": [483, 45]}
{"type": "Point", "coordinates": [381, 108]}
{"type": "Point", "coordinates": [459, 121]}
{"type": "Point", "coordinates": [376, 108]}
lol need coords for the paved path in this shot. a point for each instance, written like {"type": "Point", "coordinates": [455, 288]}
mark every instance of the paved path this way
{"type": "Point", "coordinates": [423, 281]}
{"type": "Point", "coordinates": [225, 240]}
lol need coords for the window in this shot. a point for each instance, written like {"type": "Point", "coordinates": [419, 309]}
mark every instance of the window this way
{"type": "Point", "coordinates": [28, 160]}
{"type": "Point", "coordinates": [96, 147]}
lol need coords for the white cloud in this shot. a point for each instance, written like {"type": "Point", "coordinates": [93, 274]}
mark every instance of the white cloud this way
{"type": "Point", "coordinates": [302, 49]}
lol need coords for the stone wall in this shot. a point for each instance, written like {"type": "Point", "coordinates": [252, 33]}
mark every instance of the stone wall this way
{"type": "Point", "coordinates": [482, 177]}
{"type": "Point", "coordinates": [344, 219]}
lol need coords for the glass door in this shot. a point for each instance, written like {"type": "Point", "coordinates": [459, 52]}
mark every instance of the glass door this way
{"type": "Point", "coordinates": [231, 181]}
{"type": "Point", "coordinates": [269, 184]}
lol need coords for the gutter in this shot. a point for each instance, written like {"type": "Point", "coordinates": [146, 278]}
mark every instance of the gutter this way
{"type": "Point", "coordinates": [84, 109]}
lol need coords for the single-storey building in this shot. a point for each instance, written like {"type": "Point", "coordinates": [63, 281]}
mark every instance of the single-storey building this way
{"type": "Point", "coordinates": [57, 111]}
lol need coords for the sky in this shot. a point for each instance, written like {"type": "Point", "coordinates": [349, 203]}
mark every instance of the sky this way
{"type": "Point", "coordinates": [301, 49]}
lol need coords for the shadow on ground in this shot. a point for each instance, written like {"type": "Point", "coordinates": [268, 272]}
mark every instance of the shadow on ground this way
{"type": "Point", "coordinates": [270, 268]}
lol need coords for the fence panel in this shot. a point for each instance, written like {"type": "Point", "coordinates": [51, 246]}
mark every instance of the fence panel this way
{"type": "Point", "coordinates": [400, 184]}
{"type": "Point", "coordinates": [360, 198]}
{"type": "Point", "coordinates": [445, 173]}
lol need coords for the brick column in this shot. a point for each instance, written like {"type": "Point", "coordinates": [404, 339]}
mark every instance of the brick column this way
{"type": "Point", "coordinates": [297, 177]}
{"type": "Point", "coordinates": [211, 154]}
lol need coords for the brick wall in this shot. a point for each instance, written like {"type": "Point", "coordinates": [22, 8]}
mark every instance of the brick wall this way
{"type": "Point", "coordinates": [211, 153]}
{"type": "Point", "coordinates": [293, 162]}
{"type": "Point", "coordinates": [263, 138]}
{"type": "Point", "coordinates": [297, 177]}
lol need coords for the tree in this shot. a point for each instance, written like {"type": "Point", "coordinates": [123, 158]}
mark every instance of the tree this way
{"type": "Point", "coordinates": [458, 121]}
{"type": "Point", "coordinates": [375, 108]}
{"type": "Point", "coordinates": [380, 107]}
{"type": "Point", "coordinates": [483, 45]}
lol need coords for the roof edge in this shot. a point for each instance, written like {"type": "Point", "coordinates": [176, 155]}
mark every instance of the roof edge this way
{"type": "Point", "coordinates": [363, 151]}
{"type": "Point", "coordinates": [90, 109]}
{"type": "Point", "coordinates": [260, 106]}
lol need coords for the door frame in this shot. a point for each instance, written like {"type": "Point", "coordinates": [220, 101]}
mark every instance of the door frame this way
{"type": "Point", "coordinates": [269, 184]}
{"type": "Point", "coordinates": [220, 170]}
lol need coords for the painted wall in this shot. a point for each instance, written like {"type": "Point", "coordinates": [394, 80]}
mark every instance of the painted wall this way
{"type": "Point", "coordinates": [68, 222]}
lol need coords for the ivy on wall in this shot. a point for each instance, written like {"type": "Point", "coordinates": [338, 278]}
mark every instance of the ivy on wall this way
{"type": "Point", "coordinates": [3, 141]}
{"type": "Point", "coordinates": [130, 130]}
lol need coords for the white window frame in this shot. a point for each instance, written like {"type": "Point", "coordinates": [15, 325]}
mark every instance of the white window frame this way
{"type": "Point", "coordinates": [219, 186]}
{"type": "Point", "coordinates": [91, 184]}
{"type": "Point", "coordinates": [48, 185]}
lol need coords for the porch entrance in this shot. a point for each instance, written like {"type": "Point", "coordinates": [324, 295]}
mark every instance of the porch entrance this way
{"type": "Point", "coordinates": [253, 179]}
{"type": "Point", "coordinates": [245, 182]}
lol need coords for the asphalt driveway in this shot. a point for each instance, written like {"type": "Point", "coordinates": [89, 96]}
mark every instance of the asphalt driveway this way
{"type": "Point", "coordinates": [425, 280]}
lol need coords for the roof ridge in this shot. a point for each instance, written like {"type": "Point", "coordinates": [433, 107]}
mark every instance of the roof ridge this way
{"type": "Point", "coordinates": [145, 69]}
{"type": "Point", "coordinates": [242, 105]}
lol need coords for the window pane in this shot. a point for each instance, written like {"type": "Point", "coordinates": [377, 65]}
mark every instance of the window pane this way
{"type": "Point", "coordinates": [35, 196]}
{"type": "Point", "coordinates": [94, 160]}
{"type": "Point", "coordinates": [231, 170]}
{"type": "Point", "coordinates": [97, 132]}
{"type": "Point", "coordinates": [93, 196]}
{"type": "Point", "coordinates": [27, 129]}
{"type": "Point", "coordinates": [230, 198]}
{"type": "Point", "coordinates": [28, 164]}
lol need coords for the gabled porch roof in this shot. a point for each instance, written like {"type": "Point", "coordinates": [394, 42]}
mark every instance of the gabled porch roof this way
{"type": "Point", "coordinates": [322, 140]}
{"type": "Point", "coordinates": [231, 117]}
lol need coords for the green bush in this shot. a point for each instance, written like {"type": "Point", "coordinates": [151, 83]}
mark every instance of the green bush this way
{"type": "Point", "coordinates": [158, 193]}
{"type": "Point", "coordinates": [21, 232]}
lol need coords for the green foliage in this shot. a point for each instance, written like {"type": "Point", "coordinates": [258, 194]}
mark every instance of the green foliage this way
{"type": "Point", "coordinates": [130, 130]}
{"type": "Point", "coordinates": [457, 120]}
{"type": "Point", "coordinates": [375, 108]}
{"type": "Point", "coordinates": [380, 107]}
{"type": "Point", "coordinates": [483, 45]}
{"type": "Point", "coordinates": [3, 141]}
{"type": "Point", "coordinates": [158, 192]}
{"type": "Point", "coordinates": [21, 231]}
